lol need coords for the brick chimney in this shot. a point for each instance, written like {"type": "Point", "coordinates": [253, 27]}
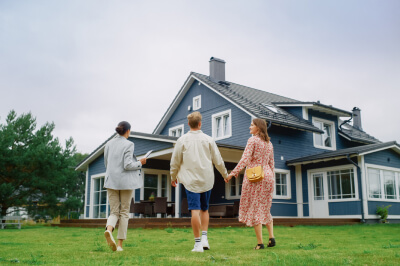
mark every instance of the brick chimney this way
{"type": "Point", "coordinates": [357, 118]}
{"type": "Point", "coordinates": [217, 69]}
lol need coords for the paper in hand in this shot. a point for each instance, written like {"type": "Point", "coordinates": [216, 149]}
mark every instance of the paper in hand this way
{"type": "Point", "coordinates": [148, 153]}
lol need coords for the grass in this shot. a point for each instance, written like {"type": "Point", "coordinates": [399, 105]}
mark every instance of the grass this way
{"type": "Point", "coordinates": [301, 245]}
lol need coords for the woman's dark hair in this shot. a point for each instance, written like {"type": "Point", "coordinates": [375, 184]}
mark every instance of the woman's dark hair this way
{"type": "Point", "coordinates": [123, 127]}
{"type": "Point", "coordinates": [262, 128]}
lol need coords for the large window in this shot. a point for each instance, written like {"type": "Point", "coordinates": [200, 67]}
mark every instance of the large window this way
{"type": "Point", "coordinates": [327, 139]}
{"type": "Point", "coordinates": [233, 189]}
{"type": "Point", "coordinates": [221, 125]}
{"type": "Point", "coordinates": [341, 184]}
{"type": "Point", "coordinates": [176, 131]}
{"type": "Point", "coordinates": [156, 184]}
{"type": "Point", "coordinates": [383, 183]}
{"type": "Point", "coordinates": [99, 198]}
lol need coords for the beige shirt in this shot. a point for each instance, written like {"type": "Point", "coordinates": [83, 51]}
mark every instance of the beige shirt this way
{"type": "Point", "coordinates": [192, 161]}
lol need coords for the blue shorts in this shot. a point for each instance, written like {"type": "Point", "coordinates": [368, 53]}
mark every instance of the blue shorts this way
{"type": "Point", "coordinates": [198, 201]}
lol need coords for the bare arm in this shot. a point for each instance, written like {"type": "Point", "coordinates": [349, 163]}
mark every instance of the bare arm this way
{"type": "Point", "coordinates": [217, 160]}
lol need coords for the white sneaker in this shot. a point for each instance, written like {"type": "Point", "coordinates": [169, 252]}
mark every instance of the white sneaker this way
{"type": "Point", "coordinates": [204, 243]}
{"type": "Point", "coordinates": [119, 248]}
{"type": "Point", "coordinates": [110, 240]}
{"type": "Point", "coordinates": [198, 247]}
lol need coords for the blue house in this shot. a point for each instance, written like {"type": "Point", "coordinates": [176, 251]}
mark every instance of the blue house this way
{"type": "Point", "coordinates": [326, 165]}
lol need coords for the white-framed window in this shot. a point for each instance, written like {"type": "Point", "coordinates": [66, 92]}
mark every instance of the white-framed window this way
{"type": "Point", "coordinates": [196, 102]}
{"type": "Point", "coordinates": [272, 108]}
{"type": "Point", "coordinates": [341, 184]}
{"type": "Point", "coordinates": [99, 198]}
{"type": "Point", "coordinates": [333, 184]}
{"type": "Point", "coordinates": [233, 189]}
{"type": "Point", "coordinates": [326, 140]}
{"type": "Point", "coordinates": [156, 184]}
{"type": "Point", "coordinates": [383, 183]}
{"type": "Point", "coordinates": [222, 125]}
{"type": "Point", "coordinates": [282, 184]}
{"type": "Point", "coordinates": [176, 131]}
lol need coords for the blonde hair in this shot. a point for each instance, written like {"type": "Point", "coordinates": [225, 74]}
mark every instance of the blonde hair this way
{"type": "Point", "coordinates": [194, 119]}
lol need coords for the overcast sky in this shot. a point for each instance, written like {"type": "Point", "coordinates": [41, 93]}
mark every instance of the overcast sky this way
{"type": "Point", "coordinates": [86, 65]}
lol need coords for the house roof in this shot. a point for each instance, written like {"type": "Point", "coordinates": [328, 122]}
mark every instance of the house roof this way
{"type": "Point", "coordinates": [354, 134]}
{"type": "Point", "coordinates": [343, 153]}
{"type": "Point", "coordinates": [250, 100]}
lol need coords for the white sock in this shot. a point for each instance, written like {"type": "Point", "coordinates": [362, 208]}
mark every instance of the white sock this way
{"type": "Point", "coordinates": [197, 240]}
{"type": "Point", "coordinates": [204, 235]}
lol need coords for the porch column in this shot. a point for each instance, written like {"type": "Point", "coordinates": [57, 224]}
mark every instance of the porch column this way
{"type": "Point", "coordinates": [299, 191]}
{"type": "Point", "coordinates": [178, 199]}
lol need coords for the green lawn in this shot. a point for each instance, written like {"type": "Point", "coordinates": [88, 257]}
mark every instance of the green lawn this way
{"type": "Point", "coordinates": [300, 245]}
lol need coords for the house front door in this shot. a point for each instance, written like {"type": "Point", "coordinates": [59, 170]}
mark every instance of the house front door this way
{"type": "Point", "coordinates": [319, 196]}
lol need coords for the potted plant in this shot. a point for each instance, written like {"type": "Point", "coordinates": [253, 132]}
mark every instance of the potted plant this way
{"type": "Point", "coordinates": [383, 212]}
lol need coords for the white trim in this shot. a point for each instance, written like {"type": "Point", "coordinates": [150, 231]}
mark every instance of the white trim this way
{"type": "Point", "coordinates": [305, 113]}
{"type": "Point", "coordinates": [299, 191]}
{"type": "Point", "coordinates": [293, 105]}
{"type": "Point", "coordinates": [151, 138]}
{"type": "Point", "coordinates": [364, 189]}
{"type": "Point", "coordinates": [344, 136]}
{"type": "Point", "coordinates": [159, 174]}
{"type": "Point", "coordinates": [288, 184]}
{"type": "Point", "coordinates": [237, 185]}
{"type": "Point", "coordinates": [181, 127]}
{"type": "Point", "coordinates": [194, 100]}
{"type": "Point", "coordinates": [157, 153]}
{"type": "Point", "coordinates": [396, 181]}
{"type": "Point", "coordinates": [214, 126]}
{"type": "Point", "coordinates": [96, 176]}
{"type": "Point", "coordinates": [177, 199]}
{"type": "Point", "coordinates": [86, 183]}
{"type": "Point", "coordinates": [381, 149]}
{"type": "Point", "coordinates": [333, 133]}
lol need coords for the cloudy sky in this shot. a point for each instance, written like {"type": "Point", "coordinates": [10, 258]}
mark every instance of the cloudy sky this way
{"type": "Point", "coordinates": [86, 65]}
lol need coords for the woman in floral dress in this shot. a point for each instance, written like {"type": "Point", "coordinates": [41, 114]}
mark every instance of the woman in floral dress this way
{"type": "Point", "coordinates": [256, 199]}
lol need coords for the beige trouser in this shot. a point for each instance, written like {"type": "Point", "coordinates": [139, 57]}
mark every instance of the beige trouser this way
{"type": "Point", "coordinates": [120, 202]}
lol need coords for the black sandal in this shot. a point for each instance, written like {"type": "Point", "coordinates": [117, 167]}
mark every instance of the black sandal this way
{"type": "Point", "coordinates": [259, 246]}
{"type": "Point", "coordinates": [271, 243]}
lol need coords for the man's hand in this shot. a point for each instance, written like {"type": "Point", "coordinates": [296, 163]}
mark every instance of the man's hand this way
{"type": "Point", "coordinates": [174, 183]}
{"type": "Point", "coordinates": [228, 178]}
{"type": "Point", "coordinates": [143, 161]}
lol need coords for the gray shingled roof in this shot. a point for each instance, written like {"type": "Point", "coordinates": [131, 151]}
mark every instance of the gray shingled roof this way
{"type": "Point", "coordinates": [343, 152]}
{"type": "Point", "coordinates": [322, 106]}
{"type": "Point", "coordinates": [252, 100]}
{"type": "Point", "coordinates": [357, 135]}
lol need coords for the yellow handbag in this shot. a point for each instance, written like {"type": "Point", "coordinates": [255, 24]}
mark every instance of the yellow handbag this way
{"type": "Point", "coordinates": [255, 174]}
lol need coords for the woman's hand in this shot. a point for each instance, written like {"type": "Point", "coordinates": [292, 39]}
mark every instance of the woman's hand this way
{"type": "Point", "coordinates": [228, 178]}
{"type": "Point", "coordinates": [143, 161]}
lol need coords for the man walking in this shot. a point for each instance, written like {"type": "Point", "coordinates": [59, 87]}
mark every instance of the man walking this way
{"type": "Point", "coordinates": [192, 164]}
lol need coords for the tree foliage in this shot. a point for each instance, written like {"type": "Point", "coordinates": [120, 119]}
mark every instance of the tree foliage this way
{"type": "Point", "coordinates": [35, 170]}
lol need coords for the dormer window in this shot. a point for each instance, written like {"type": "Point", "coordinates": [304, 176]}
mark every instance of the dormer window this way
{"type": "Point", "coordinates": [197, 102]}
{"type": "Point", "coordinates": [176, 131]}
{"type": "Point", "coordinates": [327, 139]}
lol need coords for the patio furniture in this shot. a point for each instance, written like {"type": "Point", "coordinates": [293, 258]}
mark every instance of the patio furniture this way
{"type": "Point", "coordinates": [138, 208]}
{"type": "Point", "coordinates": [160, 205]}
{"type": "Point", "coordinates": [171, 209]}
{"type": "Point", "coordinates": [221, 211]}
{"type": "Point", "coordinates": [236, 208]}
{"type": "Point", "coordinates": [10, 220]}
{"type": "Point", "coordinates": [185, 207]}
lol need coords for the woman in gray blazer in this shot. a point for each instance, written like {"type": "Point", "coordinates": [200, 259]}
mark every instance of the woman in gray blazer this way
{"type": "Point", "coordinates": [123, 175]}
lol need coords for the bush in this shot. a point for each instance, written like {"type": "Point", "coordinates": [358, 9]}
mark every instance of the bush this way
{"type": "Point", "coordinates": [383, 212]}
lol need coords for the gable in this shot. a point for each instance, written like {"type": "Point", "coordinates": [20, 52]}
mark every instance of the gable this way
{"type": "Point", "coordinates": [211, 103]}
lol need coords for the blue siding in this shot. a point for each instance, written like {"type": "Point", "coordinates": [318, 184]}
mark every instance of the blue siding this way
{"type": "Point", "coordinates": [144, 145]}
{"type": "Point", "coordinates": [393, 210]}
{"type": "Point", "coordinates": [345, 208]}
{"type": "Point", "coordinates": [211, 103]}
{"type": "Point", "coordinates": [279, 209]}
{"type": "Point", "coordinates": [387, 158]}
{"type": "Point", "coordinates": [296, 111]}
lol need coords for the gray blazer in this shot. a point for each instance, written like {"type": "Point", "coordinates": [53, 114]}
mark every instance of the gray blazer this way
{"type": "Point", "coordinates": [122, 168]}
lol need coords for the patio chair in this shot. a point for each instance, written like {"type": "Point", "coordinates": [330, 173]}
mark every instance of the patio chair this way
{"type": "Point", "coordinates": [236, 208]}
{"type": "Point", "coordinates": [160, 205]}
{"type": "Point", "coordinates": [137, 208]}
{"type": "Point", "coordinates": [171, 209]}
{"type": "Point", "coordinates": [184, 207]}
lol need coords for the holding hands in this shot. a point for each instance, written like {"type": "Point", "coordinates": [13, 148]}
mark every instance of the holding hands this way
{"type": "Point", "coordinates": [228, 178]}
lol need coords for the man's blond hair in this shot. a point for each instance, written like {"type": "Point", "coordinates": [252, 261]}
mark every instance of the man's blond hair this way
{"type": "Point", "coordinates": [194, 119]}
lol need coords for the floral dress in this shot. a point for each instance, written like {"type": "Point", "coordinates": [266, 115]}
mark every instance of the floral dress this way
{"type": "Point", "coordinates": [256, 198]}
